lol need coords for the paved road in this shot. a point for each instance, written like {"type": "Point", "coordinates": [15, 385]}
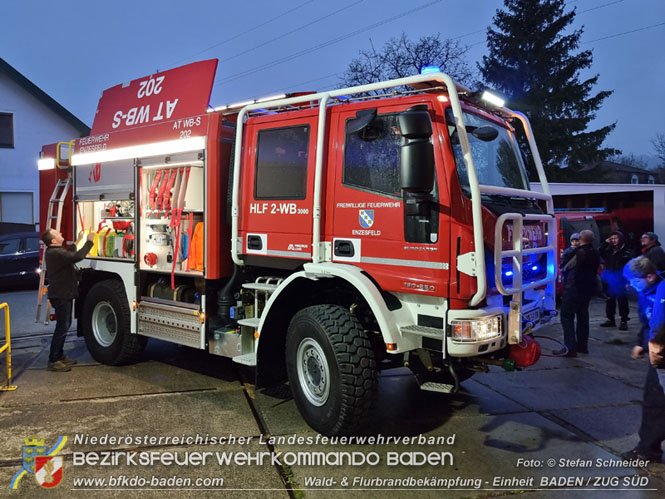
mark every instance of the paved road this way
{"type": "Point", "coordinates": [561, 424]}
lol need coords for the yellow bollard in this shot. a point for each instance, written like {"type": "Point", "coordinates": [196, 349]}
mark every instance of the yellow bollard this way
{"type": "Point", "coordinates": [8, 347]}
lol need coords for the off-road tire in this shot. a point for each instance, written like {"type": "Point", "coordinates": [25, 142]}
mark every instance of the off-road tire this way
{"type": "Point", "coordinates": [336, 385]}
{"type": "Point", "coordinates": [106, 325]}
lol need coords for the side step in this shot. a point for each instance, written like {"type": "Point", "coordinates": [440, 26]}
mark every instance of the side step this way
{"type": "Point", "coordinates": [177, 324]}
{"type": "Point", "coordinates": [431, 386]}
{"type": "Point", "coordinates": [248, 359]}
{"type": "Point", "coordinates": [252, 322]}
{"type": "Point", "coordinates": [261, 286]}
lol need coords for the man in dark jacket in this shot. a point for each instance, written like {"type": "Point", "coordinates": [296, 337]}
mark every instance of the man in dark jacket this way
{"type": "Point", "coordinates": [652, 249]}
{"type": "Point", "coordinates": [63, 288]}
{"type": "Point", "coordinates": [580, 286]}
{"type": "Point", "coordinates": [642, 275]}
{"type": "Point", "coordinates": [615, 255]}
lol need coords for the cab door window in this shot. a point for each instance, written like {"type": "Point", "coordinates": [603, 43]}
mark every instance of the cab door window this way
{"type": "Point", "coordinates": [372, 157]}
{"type": "Point", "coordinates": [281, 163]}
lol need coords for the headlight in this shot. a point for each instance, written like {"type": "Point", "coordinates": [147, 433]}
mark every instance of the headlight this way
{"type": "Point", "coordinates": [479, 329]}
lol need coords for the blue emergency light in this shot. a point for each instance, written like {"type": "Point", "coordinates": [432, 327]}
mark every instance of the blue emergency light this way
{"type": "Point", "coordinates": [430, 69]}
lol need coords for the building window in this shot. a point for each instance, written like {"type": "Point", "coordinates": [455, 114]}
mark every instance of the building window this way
{"type": "Point", "coordinates": [6, 130]}
{"type": "Point", "coordinates": [281, 163]}
{"type": "Point", "coordinates": [651, 180]}
{"type": "Point", "coordinates": [634, 180]}
{"type": "Point", "coordinates": [16, 207]}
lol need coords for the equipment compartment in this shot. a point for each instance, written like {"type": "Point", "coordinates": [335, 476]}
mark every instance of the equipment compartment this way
{"type": "Point", "coordinates": [112, 223]}
{"type": "Point", "coordinates": [171, 217]}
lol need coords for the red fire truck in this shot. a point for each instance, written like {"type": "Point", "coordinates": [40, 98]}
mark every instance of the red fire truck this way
{"type": "Point", "coordinates": [319, 237]}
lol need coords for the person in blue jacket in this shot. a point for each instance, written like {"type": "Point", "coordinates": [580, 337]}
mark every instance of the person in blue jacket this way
{"type": "Point", "coordinates": [643, 276]}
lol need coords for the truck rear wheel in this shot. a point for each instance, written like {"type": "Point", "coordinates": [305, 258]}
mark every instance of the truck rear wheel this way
{"type": "Point", "coordinates": [331, 368]}
{"type": "Point", "coordinates": [106, 325]}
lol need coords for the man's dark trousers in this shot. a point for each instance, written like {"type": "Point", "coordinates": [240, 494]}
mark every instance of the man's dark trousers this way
{"type": "Point", "coordinates": [63, 317]}
{"type": "Point", "coordinates": [652, 429]}
{"type": "Point", "coordinates": [575, 305]}
{"type": "Point", "coordinates": [610, 307]}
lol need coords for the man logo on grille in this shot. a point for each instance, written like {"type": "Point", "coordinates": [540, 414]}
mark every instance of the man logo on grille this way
{"type": "Point", "coordinates": [366, 218]}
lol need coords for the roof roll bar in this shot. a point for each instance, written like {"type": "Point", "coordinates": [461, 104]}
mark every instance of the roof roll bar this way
{"type": "Point", "coordinates": [414, 81]}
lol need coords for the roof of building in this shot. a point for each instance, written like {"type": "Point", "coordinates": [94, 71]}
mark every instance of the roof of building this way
{"type": "Point", "coordinates": [620, 167]}
{"type": "Point", "coordinates": [41, 96]}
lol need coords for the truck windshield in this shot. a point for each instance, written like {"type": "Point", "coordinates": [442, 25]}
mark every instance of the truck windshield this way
{"type": "Point", "coordinates": [498, 162]}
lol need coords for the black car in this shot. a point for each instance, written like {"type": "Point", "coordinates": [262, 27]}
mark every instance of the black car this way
{"type": "Point", "coordinates": [19, 258]}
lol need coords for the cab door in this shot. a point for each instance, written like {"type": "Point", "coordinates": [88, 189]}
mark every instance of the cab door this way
{"type": "Point", "coordinates": [277, 190]}
{"type": "Point", "coordinates": [373, 225]}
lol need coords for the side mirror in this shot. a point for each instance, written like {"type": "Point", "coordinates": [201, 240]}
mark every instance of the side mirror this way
{"type": "Point", "coordinates": [362, 119]}
{"type": "Point", "coordinates": [485, 133]}
{"type": "Point", "coordinates": [417, 154]}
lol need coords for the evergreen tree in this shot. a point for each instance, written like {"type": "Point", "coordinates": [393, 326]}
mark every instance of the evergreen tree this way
{"type": "Point", "coordinates": [536, 64]}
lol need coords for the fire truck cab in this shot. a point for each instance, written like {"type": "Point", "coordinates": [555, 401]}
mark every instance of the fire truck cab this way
{"type": "Point", "coordinates": [318, 237]}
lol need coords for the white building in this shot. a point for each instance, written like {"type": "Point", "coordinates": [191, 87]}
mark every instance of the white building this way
{"type": "Point", "coordinates": [29, 119]}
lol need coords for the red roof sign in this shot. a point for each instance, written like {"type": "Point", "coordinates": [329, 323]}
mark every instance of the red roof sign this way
{"type": "Point", "coordinates": [178, 93]}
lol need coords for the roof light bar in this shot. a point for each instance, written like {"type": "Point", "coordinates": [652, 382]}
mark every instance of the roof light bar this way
{"type": "Point", "coordinates": [46, 164]}
{"type": "Point", "coordinates": [492, 99]}
{"type": "Point", "coordinates": [238, 105]}
{"type": "Point", "coordinates": [140, 151]}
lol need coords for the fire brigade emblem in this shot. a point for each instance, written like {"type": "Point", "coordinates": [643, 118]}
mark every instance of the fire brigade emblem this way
{"type": "Point", "coordinates": [42, 462]}
{"type": "Point", "coordinates": [48, 471]}
{"type": "Point", "coordinates": [366, 218]}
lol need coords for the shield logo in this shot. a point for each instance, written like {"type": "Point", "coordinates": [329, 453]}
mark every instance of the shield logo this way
{"type": "Point", "coordinates": [30, 452]}
{"type": "Point", "coordinates": [366, 218]}
{"type": "Point", "coordinates": [48, 471]}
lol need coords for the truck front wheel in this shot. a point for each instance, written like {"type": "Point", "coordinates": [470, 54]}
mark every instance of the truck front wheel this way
{"type": "Point", "coordinates": [331, 368]}
{"type": "Point", "coordinates": [106, 325]}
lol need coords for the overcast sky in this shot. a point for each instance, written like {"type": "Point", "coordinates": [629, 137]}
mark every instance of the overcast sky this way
{"type": "Point", "coordinates": [74, 49]}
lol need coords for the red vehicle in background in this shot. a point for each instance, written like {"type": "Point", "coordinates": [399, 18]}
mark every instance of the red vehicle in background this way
{"type": "Point", "coordinates": [600, 221]}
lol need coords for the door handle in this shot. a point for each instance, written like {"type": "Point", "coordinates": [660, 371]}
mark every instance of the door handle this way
{"type": "Point", "coordinates": [254, 243]}
{"type": "Point", "coordinates": [344, 248]}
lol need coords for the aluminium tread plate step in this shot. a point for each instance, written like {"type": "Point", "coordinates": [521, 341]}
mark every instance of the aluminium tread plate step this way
{"type": "Point", "coordinates": [261, 286]}
{"type": "Point", "coordinates": [248, 359]}
{"type": "Point", "coordinates": [251, 322]}
{"type": "Point", "coordinates": [431, 386]}
{"type": "Point", "coordinates": [430, 332]}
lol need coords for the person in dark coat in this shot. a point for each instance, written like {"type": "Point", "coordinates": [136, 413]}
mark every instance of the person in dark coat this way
{"type": "Point", "coordinates": [62, 276]}
{"type": "Point", "coordinates": [568, 253]}
{"type": "Point", "coordinates": [580, 286]}
{"type": "Point", "coordinates": [652, 249]}
{"type": "Point", "coordinates": [615, 256]}
{"type": "Point", "coordinates": [643, 276]}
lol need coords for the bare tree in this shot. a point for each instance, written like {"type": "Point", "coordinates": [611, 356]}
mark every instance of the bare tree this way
{"type": "Point", "coordinates": [659, 145]}
{"type": "Point", "coordinates": [630, 160]}
{"type": "Point", "coordinates": [402, 57]}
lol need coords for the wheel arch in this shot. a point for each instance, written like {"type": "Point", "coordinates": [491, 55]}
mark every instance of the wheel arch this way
{"type": "Point", "coordinates": [318, 284]}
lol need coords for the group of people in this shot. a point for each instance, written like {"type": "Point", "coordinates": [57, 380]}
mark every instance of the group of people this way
{"type": "Point", "coordinates": [610, 271]}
